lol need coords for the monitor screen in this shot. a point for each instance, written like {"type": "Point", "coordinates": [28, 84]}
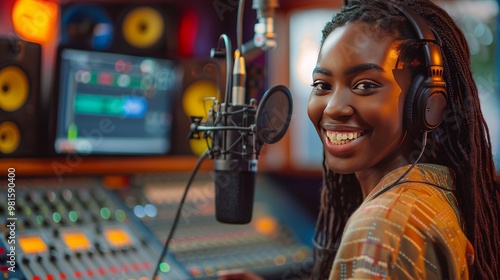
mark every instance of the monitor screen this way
{"type": "Point", "coordinates": [113, 103]}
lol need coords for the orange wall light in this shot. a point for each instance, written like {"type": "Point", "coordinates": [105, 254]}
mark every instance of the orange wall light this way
{"type": "Point", "coordinates": [35, 20]}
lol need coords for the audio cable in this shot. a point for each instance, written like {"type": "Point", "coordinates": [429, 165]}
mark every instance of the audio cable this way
{"type": "Point", "coordinates": [384, 189]}
{"type": "Point", "coordinates": [228, 53]}
{"type": "Point", "coordinates": [178, 212]}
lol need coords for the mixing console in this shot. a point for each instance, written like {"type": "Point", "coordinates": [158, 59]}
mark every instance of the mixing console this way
{"type": "Point", "coordinates": [75, 229]}
{"type": "Point", "coordinates": [83, 229]}
{"type": "Point", "coordinates": [276, 244]}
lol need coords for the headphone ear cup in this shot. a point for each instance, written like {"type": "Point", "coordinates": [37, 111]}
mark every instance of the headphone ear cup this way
{"type": "Point", "coordinates": [411, 100]}
{"type": "Point", "coordinates": [425, 104]}
{"type": "Point", "coordinates": [431, 108]}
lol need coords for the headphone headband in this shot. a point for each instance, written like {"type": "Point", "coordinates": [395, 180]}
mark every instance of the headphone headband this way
{"type": "Point", "coordinates": [425, 34]}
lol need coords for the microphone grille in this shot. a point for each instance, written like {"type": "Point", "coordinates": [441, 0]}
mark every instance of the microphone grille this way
{"type": "Point", "coordinates": [234, 195]}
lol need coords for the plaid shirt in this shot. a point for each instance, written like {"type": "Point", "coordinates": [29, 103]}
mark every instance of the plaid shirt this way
{"type": "Point", "coordinates": [410, 231]}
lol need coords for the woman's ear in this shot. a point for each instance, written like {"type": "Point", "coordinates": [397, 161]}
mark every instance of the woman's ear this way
{"type": "Point", "coordinates": [403, 78]}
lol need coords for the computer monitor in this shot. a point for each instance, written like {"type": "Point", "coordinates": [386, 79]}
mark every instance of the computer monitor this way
{"type": "Point", "coordinates": [112, 103]}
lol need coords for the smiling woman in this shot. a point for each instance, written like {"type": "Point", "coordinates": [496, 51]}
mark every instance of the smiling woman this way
{"type": "Point", "coordinates": [356, 92]}
{"type": "Point", "coordinates": [409, 186]}
{"type": "Point", "coordinates": [396, 204]}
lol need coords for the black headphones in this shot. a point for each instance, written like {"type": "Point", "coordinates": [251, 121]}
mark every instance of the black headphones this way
{"type": "Point", "coordinates": [426, 97]}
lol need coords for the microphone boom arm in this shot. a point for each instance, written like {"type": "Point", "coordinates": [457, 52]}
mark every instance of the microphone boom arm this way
{"type": "Point", "coordinates": [264, 33]}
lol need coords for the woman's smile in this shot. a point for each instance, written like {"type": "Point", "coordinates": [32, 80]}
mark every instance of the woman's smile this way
{"type": "Point", "coordinates": [340, 143]}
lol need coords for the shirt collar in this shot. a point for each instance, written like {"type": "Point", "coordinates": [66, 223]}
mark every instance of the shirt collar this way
{"type": "Point", "coordinates": [432, 174]}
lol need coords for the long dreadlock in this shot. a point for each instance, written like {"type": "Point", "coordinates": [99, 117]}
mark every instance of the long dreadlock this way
{"type": "Point", "coordinates": [462, 139]}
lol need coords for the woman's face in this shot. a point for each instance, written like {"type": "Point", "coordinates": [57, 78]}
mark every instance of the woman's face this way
{"type": "Point", "coordinates": [356, 103]}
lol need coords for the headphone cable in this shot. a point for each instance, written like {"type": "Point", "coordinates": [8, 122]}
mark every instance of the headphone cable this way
{"type": "Point", "coordinates": [424, 143]}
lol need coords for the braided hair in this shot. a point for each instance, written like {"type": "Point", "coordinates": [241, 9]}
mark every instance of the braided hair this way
{"type": "Point", "coordinates": [461, 142]}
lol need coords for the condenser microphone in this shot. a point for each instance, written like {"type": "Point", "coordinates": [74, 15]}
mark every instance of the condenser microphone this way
{"type": "Point", "coordinates": [246, 131]}
{"type": "Point", "coordinates": [235, 161]}
{"type": "Point", "coordinates": [235, 166]}
{"type": "Point", "coordinates": [238, 134]}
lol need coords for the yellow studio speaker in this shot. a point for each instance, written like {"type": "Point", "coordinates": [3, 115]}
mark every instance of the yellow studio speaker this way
{"type": "Point", "coordinates": [143, 27]}
{"type": "Point", "coordinates": [19, 98]}
{"type": "Point", "coordinates": [195, 95]}
{"type": "Point", "coordinates": [120, 27]}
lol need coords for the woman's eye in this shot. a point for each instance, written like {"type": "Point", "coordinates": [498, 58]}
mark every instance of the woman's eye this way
{"type": "Point", "coordinates": [321, 86]}
{"type": "Point", "coordinates": [365, 86]}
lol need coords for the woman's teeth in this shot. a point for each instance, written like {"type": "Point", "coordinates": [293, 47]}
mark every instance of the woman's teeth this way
{"type": "Point", "coordinates": [342, 138]}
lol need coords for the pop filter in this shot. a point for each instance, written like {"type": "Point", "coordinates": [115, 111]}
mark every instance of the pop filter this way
{"type": "Point", "coordinates": [273, 114]}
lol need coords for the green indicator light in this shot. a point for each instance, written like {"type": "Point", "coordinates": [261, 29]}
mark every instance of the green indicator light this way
{"type": "Point", "coordinates": [105, 213]}
{"type": "Point", "coordinates": [39, 219]}
{"type": "Point", "coordinates": [120, 215]}
{"type": "Point", "coordinates": [56, 217]}
{"type": "Point", "coordinates": [72, 132]}
{"type": "Point", "coordinates": [27, 211]}
{"type": "Point", "coordinates": [73, 216]}
{"type": "Point", "coordinates": [164, 267]}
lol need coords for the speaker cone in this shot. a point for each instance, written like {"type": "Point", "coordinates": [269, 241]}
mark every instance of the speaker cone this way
{"type": "Point", "coordinates": [143, 27]}
{"type": "Point", "coordinates": [9, 137]}
{"type": "Point", "coordinates": [13, 88]}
